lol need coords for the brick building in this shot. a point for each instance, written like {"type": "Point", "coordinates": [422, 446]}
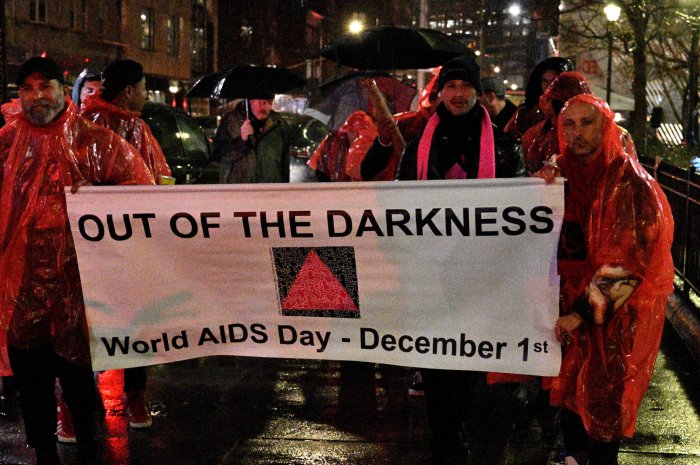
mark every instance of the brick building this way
{"type": "Point", "coordinates": [174, 40]}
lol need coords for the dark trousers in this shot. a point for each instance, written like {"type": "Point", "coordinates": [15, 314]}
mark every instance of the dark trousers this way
{"type": "Point", "coordinates": [134, 379]}
{"type": "Point", "coordinates": [449, 397]}
{"type": "Point", "coordinates": [35, 373]}
{"type": "Point", "coordinates": [581, 446]}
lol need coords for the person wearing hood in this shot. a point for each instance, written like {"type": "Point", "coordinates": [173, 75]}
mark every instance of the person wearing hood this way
{"type": "Point", "coordinates": [118, 107]}
{"type": "Point", "coordinates": [44, 147]}
{"type": "Point", "coordinates": [528, 113]}
{"type": "Point", "coordinates": [614, 259]}
{"type": "Point", "coordinates": [339, 155]}
{"type": "Point", "coordinates": [87, 83]}
{"type": "Point", "coordinates": [541, 142]}
{"type": "Point", "coordinates": [252, 142]}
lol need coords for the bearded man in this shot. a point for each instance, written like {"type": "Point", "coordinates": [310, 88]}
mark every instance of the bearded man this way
{"type": "Point", "coordinates": [44, 147]}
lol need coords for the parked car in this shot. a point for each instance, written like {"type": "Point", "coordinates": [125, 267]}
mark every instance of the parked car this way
{"type": "Point", "coordinates": [305, 135]}
{"type": "Point", "coordinates": [208, 125]}
{"type": "Point", "coordinates": [184, 144]}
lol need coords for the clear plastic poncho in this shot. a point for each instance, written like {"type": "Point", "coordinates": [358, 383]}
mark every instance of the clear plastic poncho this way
{"type": "Point", "coordinates": [40, 294]}
{"type": "Point", "coordinates": [616, 215]}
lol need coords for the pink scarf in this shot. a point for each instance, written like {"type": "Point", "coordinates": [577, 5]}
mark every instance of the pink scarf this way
{"type": "Point", "coordinates": [487, 149]}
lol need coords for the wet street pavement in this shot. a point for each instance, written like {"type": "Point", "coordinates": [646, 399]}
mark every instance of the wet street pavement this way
{"type": "Point", "coordinates": [248, 411]}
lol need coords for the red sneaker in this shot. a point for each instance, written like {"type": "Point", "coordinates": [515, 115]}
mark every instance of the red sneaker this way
{"type": "Point", "coordinates": [64, 428]}
{"type": "Point", "coordinates": [137, 410]}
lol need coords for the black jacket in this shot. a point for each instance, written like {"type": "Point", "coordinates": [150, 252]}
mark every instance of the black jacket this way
{"type": "Point", "coordinates": [462, 132]}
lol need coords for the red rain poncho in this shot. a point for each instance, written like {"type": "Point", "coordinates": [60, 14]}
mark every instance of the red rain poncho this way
{"type": "Point", "coordinates": [341, 152]}
{"type": "Point", "coordinates": [40, 294]}
{"type": "Point", "coordinates": [338, 152]}
{"type": "Point", "coordinates": [523, 119]}
{"type": "Point", "coordinates": [411, 125]}
{"type": "Point", "coordinates": [540, 142]}
{"type": "Point", "coordinates": [132, 128]}
{"type": "Point", "coordinates": [616, 215]}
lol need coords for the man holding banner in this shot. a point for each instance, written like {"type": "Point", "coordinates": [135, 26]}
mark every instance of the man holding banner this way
{"type": "Point", "coordinates": [118, 107]}
{"type": "Point", "coordinates": [614, 259]}
{"type": "Point", "coordinates": [457, 143]}
{"type": "Point", "coordinates": [44, 147]}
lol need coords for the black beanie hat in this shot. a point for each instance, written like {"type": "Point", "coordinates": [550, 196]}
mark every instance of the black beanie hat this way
{"type": "Point", "coordinates": [464, 68]}
{"type": "Point", "coordinates": [45, 66]}
{"type": "Point", "coordinates": [119, 74]}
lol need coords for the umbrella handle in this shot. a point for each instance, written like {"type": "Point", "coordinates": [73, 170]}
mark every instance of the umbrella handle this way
{"type": "Point", "coordinates": [384, 113]}
{"type": "Point", "coordinates": [380, 102]}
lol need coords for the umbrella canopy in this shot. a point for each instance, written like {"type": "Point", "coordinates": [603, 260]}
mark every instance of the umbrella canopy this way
{"type": "Point", "coordinates": [204, 87]}
{"type": "Point", "coordinates": [340, 97]}
{"type": "Point", "coordinates": [246, 81]}
{"type": "Point", "coordinates": [394, 47]}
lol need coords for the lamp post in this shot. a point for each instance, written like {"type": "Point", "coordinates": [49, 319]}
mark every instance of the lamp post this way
{"type": "Point", "coordinates": [612, 12]}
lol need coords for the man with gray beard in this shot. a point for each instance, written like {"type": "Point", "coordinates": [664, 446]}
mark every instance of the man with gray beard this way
{"type": "Point", "coordinates": [44, 147]}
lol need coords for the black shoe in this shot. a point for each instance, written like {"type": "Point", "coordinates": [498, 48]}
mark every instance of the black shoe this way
{"type": "Point", "coordinates": [91, 455]}
{"type": "Point", "coordinates": [47, 457]}
{"type": "Point", "coordinates": [416, 388]}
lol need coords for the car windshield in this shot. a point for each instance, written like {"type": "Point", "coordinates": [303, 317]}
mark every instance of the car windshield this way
{"type": "Point", "coordinates": [195, 145]}
{"type": "Point", "coordinates": [164, 128]}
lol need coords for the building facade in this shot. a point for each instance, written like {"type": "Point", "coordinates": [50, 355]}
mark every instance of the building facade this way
{"type": "Point", "coordinates": [174, 40]}
{"type": "Point", "coordinates": [509, 36]}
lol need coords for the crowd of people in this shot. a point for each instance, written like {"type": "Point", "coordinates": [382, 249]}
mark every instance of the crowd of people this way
{"type": "Point", "coordinates": [613, 256]}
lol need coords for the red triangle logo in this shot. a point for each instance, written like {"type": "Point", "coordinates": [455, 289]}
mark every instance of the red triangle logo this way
{"type": "Point", "coordinates": [316, 288]}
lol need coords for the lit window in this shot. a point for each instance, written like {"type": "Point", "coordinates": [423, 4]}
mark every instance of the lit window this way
{"type": "Point", "coordinates": [37, 10]}
{"type": "Point", "coordinates": [200, 52]}
{"type": "Point", "coordinates": [198, 49]}
{"type": "Point", "coordinates": [172, 26]}
{"type": "Point", "coordinates": [147, 29]}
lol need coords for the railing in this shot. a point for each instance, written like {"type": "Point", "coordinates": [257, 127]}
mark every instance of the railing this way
{"type": "Point", "coordinates": [682, 188]}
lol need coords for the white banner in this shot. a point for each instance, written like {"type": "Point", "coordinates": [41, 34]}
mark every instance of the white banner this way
{"type": "Point", "coordinates": [447, 274]}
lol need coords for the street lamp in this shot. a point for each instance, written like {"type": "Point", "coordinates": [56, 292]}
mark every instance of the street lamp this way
{"type": "Point", "coordinates": [612, 12]}
{"type": "Point", "coordinates": [355, 26]}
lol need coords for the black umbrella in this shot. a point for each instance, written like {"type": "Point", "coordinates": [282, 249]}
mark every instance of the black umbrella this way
{"type": "Point", "coordinates": [246, 81]}
{"type": "Point", "coordinates": [394, 47]}
{"type": "Point", "coordinates": [205, 85]}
